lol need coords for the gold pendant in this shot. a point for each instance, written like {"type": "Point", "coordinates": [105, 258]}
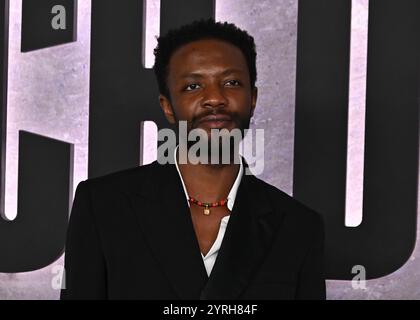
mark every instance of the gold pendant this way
{"type": "Point", "coordinates": [206, 210]}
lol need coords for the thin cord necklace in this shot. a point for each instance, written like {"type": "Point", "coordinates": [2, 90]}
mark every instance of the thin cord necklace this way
{"type": "Point", "coordinates": [208, 205]}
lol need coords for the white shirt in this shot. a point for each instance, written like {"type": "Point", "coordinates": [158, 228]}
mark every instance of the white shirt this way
{"type": "Point", "coordinates": [210, 258]}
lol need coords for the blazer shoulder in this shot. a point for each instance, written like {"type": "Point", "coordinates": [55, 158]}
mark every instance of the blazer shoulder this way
{"type": "Point", "coordinates": [292, 208]}
{"type": "Point", "coordinates": [125, 178]}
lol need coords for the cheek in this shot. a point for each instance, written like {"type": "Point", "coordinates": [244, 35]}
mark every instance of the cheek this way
{"type": "Point", "coordinates": [241, 104]}
{"type": "Point", "coordinates": [184, 108]}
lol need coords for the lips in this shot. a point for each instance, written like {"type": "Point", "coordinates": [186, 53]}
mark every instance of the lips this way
{"type": "Point", "coordinates": [215, 117]}
{"type": "Point", "coordinates": [215, 121]}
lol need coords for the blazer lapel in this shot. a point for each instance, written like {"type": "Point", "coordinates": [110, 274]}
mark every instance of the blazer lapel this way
{"type": "Point", "coordinates": [249, 234]}
{"type": "Point", "coordinates": [159, 203]}
{"type": "Point", "coordinates": [164, 218]}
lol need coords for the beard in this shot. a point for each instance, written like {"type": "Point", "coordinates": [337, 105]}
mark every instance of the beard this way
{"type": "Point", "coordinates": [222, 145]}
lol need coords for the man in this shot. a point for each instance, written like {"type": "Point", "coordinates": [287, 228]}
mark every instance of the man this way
{"type": "Point", "coordinates": [195, 231]}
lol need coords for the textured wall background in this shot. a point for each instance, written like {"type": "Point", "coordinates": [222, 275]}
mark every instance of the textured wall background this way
{"type": "Point", "coordinates": [48, 94]}
{"type": "Point", "coordinates": [273, 23]}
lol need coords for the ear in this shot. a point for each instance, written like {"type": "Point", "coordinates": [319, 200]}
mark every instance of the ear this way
{"type": "Point", "coordinates": [254, 100]}
{"type": "Point", "coordinates": [166, 106]}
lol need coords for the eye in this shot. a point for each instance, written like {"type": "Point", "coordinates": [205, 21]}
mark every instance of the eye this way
{"type": "Point", "coordinates": [234, 83]}
{"type": "Point", "coordinates": [191, 87]}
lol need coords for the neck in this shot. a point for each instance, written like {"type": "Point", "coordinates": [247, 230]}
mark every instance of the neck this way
{"type": "Point", "coordinates": [208, 182]}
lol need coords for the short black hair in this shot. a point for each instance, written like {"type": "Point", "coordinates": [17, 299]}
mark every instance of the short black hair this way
{"type": "Point", "coordinates": [198, 30]}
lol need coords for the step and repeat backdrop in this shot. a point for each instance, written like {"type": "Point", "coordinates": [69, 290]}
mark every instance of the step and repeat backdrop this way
{"type": "Point", "coordinates": [339, 101]}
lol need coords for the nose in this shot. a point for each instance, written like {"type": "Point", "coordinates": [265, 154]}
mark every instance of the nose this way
{"type": "Point", "coordinates": [214, 97]}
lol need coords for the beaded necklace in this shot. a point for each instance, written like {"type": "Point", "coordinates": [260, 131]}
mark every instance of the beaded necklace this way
{"type": "Point", "coordinates": [208, 205]}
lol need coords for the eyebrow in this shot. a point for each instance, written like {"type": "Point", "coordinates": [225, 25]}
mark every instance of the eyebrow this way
{"type": "Point", "coordinates": [197, 75]}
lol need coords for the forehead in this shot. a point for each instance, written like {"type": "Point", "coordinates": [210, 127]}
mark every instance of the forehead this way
{"type": "Point", "coordinates": [206, 55]}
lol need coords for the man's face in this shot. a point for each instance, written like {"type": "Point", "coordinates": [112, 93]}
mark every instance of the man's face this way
{"type": "Point", "coordinates": [209, 86]}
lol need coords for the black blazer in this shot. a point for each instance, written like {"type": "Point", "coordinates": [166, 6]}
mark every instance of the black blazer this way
{"type": "Point", "coordinates": [131, 236]}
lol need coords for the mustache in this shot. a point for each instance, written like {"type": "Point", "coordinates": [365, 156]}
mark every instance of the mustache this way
{"type": "Point", "coordinates": [212, 115]}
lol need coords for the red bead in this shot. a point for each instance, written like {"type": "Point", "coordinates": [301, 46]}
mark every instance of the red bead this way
{"type": "Point", "coordinates": [203, 204]}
